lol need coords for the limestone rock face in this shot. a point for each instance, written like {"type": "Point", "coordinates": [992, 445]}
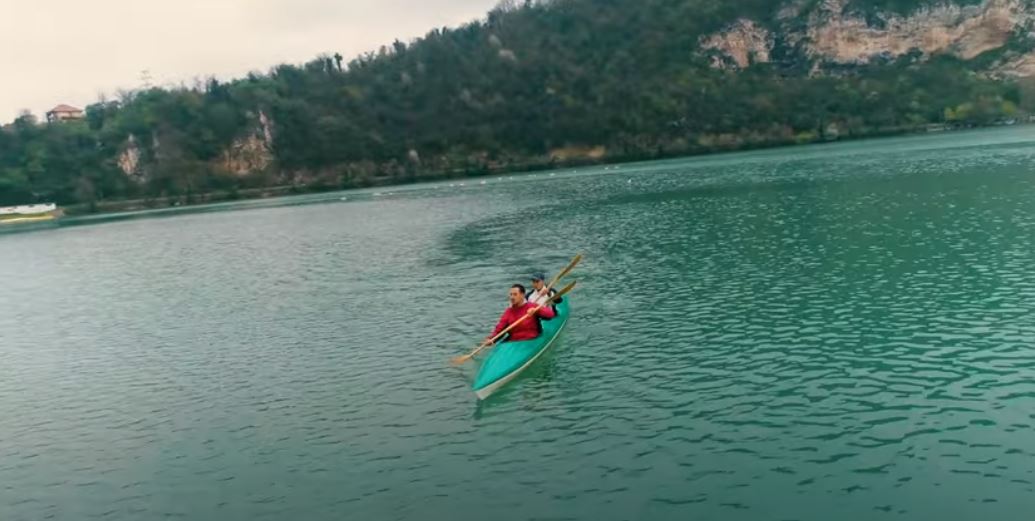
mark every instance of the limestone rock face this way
{"type": "Point", "coordinates": [833, 33]}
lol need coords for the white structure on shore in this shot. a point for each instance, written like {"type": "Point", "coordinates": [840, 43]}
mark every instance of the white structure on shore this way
{"type": "Point", "coordinates": [28, 209]}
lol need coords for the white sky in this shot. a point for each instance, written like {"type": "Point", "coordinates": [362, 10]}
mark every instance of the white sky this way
{"type": "Point", "coordinates": [71, 51]}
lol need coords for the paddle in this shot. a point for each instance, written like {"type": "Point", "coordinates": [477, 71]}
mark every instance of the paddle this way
{"type": "Point", "coordinates": [460, 360]}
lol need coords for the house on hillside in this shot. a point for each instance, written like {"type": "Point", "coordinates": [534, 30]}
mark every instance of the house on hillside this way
{"type": "Point", "coordinates": [64, 113]}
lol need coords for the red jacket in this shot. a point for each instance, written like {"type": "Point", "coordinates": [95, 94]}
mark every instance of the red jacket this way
{"type": "Point", "coordinates": [529, 328]}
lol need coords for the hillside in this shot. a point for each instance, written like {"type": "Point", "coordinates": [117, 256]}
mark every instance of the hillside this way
{"type": "Point", "coordinates": [546, 83]}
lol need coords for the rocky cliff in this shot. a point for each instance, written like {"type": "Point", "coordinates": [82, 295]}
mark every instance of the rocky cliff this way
{"type": "Point", "coordinates": [251, 153]}
{"type": "Point", "coordinates": [834, 33]}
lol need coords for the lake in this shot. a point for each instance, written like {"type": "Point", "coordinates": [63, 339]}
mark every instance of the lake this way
{"type": "Point", "coordinates": [841, 331]}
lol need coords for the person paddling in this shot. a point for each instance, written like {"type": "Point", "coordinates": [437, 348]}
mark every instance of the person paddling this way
{"type": "Point", "coordinates": [539, 295]}
{"type": "Point", "coordinates": [519, 307]}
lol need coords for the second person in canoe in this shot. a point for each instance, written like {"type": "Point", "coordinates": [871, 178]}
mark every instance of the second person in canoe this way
{"type": "Point", "coordinates": [539, 295]}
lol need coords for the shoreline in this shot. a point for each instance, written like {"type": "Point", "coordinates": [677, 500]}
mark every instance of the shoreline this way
{"type": "Point", "coordinates": [109, 207]}
{"type": "Point", "coordinates": [27, 219]}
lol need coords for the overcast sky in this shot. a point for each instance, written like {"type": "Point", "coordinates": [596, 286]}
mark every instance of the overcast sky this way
{"type": "Point", "coordinates": [71, 51]}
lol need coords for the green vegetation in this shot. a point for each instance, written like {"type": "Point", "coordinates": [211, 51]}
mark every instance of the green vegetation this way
{"type": "Point", "coordinates": [901, 7]}
{"type": "Point", "coordinates": [508, 92]}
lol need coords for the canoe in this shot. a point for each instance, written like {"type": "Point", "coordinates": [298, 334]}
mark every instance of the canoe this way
{"type": "Point", "coordinates": [508, 359]}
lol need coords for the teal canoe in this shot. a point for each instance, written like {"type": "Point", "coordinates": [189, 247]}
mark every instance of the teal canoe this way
{"type": "Point", "coordinates": [508, 359]}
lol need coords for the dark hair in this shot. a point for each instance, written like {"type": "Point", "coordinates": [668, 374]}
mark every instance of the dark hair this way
{"type": "Point", "coordinates": [520, 287]}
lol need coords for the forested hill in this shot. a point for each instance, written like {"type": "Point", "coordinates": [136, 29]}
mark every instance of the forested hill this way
{"type": "Point", "coordinates": [544, 83]}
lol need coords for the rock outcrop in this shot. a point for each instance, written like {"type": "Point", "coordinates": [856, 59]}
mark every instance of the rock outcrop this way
{"type": "Point", "coordinates": [129, 159]}
{"type": "Point", "coordinates": [835, 34]}
{"type": "Point", "coordinates": [742, 43]}
{"type": "Point", "coordinates": [1021, 66]}
{"type": "Point", "coordinates": [252, 153]}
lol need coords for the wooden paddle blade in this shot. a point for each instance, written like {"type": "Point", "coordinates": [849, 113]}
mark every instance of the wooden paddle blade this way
{"type": "Point", "coordinates": [564, 291]}
{"type": "Point", "coordinates": [460, 360]}
{"type": "Point", "coordinates": [571, 265]}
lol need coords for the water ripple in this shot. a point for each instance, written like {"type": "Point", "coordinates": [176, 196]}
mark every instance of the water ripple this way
{"type": "Point", "coordinates": [850, 325]}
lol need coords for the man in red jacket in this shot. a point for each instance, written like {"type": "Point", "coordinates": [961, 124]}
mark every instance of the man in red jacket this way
{"type": "Point", "coordinates": [519, 307]}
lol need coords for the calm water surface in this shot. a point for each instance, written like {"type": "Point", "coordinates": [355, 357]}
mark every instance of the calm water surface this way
{"type": "Point", "coordinates": [830, 332]}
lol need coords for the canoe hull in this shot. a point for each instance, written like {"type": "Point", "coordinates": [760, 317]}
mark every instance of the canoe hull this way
{"type": "Point", "coordinates": [510, 359]}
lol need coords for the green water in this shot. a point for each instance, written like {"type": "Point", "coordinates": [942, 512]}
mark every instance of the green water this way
{"type": "Point", "coordinates": [831, 332]}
